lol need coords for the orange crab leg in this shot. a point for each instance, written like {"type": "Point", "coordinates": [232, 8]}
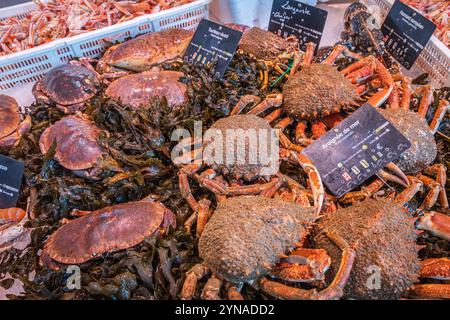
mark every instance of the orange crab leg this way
{"type": "Point", "coordinates": [437, 268]}
{"type": "Point", "coordinates": [433, 194]}
{"type": "Point", "coordinates": [431, 291]}
{"type": "Point", "coordinates": [435, 222]}
{"type": "Point", "coordinates": [334, 291]}
{"type": "Point", "coordinates": [394, 98]}
{"type": "Point", "coordinates": [12, 215]}
{"type": "Point", "coordinates": [337, 51]}
{"type": "Point", "coordinates": [441, 177]}
{"type": "Point", "coordinates": [406, 93]}
{"type": "Point", "coordinates": [243, 102]}
{"type": "Point", "coordinates": [309, 54]}
{"type": "Point", "coordinates": [303, 265]}
{"type": "Point", "coordinates": [274, 100]}
{"type": "Point", "coordinates": [195, 274]}
{"type": "Point", "coordinates": [202, 216]}
{"type": "Point", "coordinates": [444, 106]}
{"type": "Point", "coordinates": [427, 98]}
{"type": "Point", "coordinates": [406, 195]}
{"type": "Point", "coordinates": [366, 192]}
{"type": "Point", "coordinates": [318, 129]}
{"type": "Point", "coordinates": [284, 123]}
{"type": "Point", "coordinates": [312, 172]}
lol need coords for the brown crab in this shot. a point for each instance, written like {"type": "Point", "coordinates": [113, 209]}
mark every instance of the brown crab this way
{"type": "Point", "coordinates": [144, 52]}
{"type": "Point", "coordinates": [77, 147]}
{"type": "Point", "coordinates": [244, 240]}
{"type": "Point", "coordinates": [140, 89]}
{"type": "Point", "coordinates": [69, 86]}
{"type": "Point", "coordinates": [105, 230]}
{"type": "Point", "coordinates": [11, 125]}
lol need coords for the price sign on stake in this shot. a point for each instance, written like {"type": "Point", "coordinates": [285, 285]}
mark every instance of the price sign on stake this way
{"type": "Point", "coordinates": [356, 149]}
{"type": "Point", "coordinates": [407, 32]}
{"type": "Point", "coordinates": [11, 173]}
{"type": "Point", "coordinates": [291, 17]}
{"type": "Point", "coordinates": [213, 42]}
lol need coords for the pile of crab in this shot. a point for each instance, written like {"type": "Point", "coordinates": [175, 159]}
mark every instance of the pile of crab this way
{"type": "Point", "coordinates": [100, 135]}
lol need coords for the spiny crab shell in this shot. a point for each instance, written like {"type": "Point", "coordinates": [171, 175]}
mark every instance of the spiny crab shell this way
{"type": "Point", "coordinates": [317, 90]}
{"type": "Point", "coordinates": [76, 140]}
{"type": "Point", "coordinates": [265, 45]}
{"type": "Point", "coordinates": [108, 229]}
{"type": "Point", "coordinates": [140, 89]}
{"type": "Point", "coordinates": [143, 52]}
{"type": "Point", "coordinates": [384, 238]}
{"type": "Point", "coordinates": [423, 149]}
{"type": "Point", "coordinates": [11, 126]}
{"type": "Point", "coordinates": [246, 170]}
{"type": "Point", "coordinates": [69, 86]}
{"type": "Point", "coordinates": [246, 235]}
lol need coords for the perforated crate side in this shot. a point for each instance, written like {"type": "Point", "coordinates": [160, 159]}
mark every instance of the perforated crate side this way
{"type": "Point", "coordinates": [187, 20]}
{"type": "Point", "coordinates": [28, 68]}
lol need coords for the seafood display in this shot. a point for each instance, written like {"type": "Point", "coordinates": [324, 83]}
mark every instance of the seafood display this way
{"type": "Point", "coordinates": [58, 19]}
{"type": "Point", "coordinates": [437, 11]}
{"type": "Point", "coordinates": [158, 180]}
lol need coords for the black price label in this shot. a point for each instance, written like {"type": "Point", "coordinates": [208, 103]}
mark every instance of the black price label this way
{"type": "Point", "coordinates": [290, 17]}
{"type": "Point", "coordinates": [213, 42]}
{"type": "Point", "coordinates": [356, 149]}
{"type": "Point", "coordinates": [406, 33]}
{"type": "Point", "coordinates": [11, 173]}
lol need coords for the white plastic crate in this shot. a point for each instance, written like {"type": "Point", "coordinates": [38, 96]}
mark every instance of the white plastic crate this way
{"type": "Point", "coordinates": [435, 57]}
{"type": "Point", "coordinates": [30, 65]}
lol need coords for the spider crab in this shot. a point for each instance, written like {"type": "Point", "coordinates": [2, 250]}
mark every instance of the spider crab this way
{"type": "Point", "coordinates": [11, 125]}
{"type": "Point", "coordinates": [74, 141]}
{"type": "Point", "coordinates": [105, 230]}
{"type": "Point", "coordinates": [398, 269]}
{"type": "Point", "coordinates": [244, 241]}
{"type": "Point", "coordinates": [230, 178]}
{"type": "Point", "coordinates": [69, 86]}
{"type": "Point", "coordinates": [140, 89]}
{"type": "Point", "coordinates": [270, 49]}
{"type": "Point", "coordinates": [419, 158]}
{"type": "Point", "coordinates": [144, 52]}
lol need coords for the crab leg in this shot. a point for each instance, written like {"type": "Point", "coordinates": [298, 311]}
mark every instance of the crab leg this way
{"type": "Point", "coordinates": [303, 265]}
{"type": "Point", "coordinates": [365, 192]}
{"type": "Point", "coordinates": [444, 106]}
{"type": "Point", "coordinates": [433, 194]}
{"type": "Point", "coordinates": [406, 195]}
{"type": "Point", "coordinates": [195, 274]}
{"type": "Point", "coordinates": [243, 102]}
{"type": "Point", "coordinates": [441, 177]}
{"type": "Point", "coordinates": [313, 174]}
{"type": "Point", "coordinates": [427, 98]}
{"type": "Point", "coordinates": [202, 216]}
{"type": "Point", "coordinates": [273, 100]}
{"type": "Point", "coordinates": [436, 223]}
{"type": "Point", "coordinates": [337, 51]}
{"type": "Point", "coordinates": [309, 54]}
{"type": "Point", "coordinates": [431, 291]}
{"type": "Point", "coordinates": [185, 189]}
{"type": "Point", "coordinates": [437, 268]}
{"type": "Point", "coordinates": [334, 291]}
{"type": "Point", "coordinates": [211, 289]}
{"type": "Point", "coordinates": [233, 293]}
{"type": "Point", "coordinates": [300, 135]}
{"type": "Point", "coordinates": [11, 215]}
{"type": "Point", "coordinates": [273, 115]}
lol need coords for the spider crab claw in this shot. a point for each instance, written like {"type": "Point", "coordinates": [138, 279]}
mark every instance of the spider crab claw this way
{"type": "Point", "coordinates": [436, 223]}
{"type": "Point", "coordinates": [398, 176]}
{"type": "Point", "coordinates": [315, 181]}
{"type": "Point", "coordinates": [303, 265]}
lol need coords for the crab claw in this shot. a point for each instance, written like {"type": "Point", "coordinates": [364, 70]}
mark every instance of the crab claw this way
{"type": "Point", "coordinates": [398, 176]}
{"type": "Point", "coordinates": [437, 223]}
{"type": "Point", "coordinates": [303, 265]}
{"type": "Point", "coordinates": [438, 269]}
